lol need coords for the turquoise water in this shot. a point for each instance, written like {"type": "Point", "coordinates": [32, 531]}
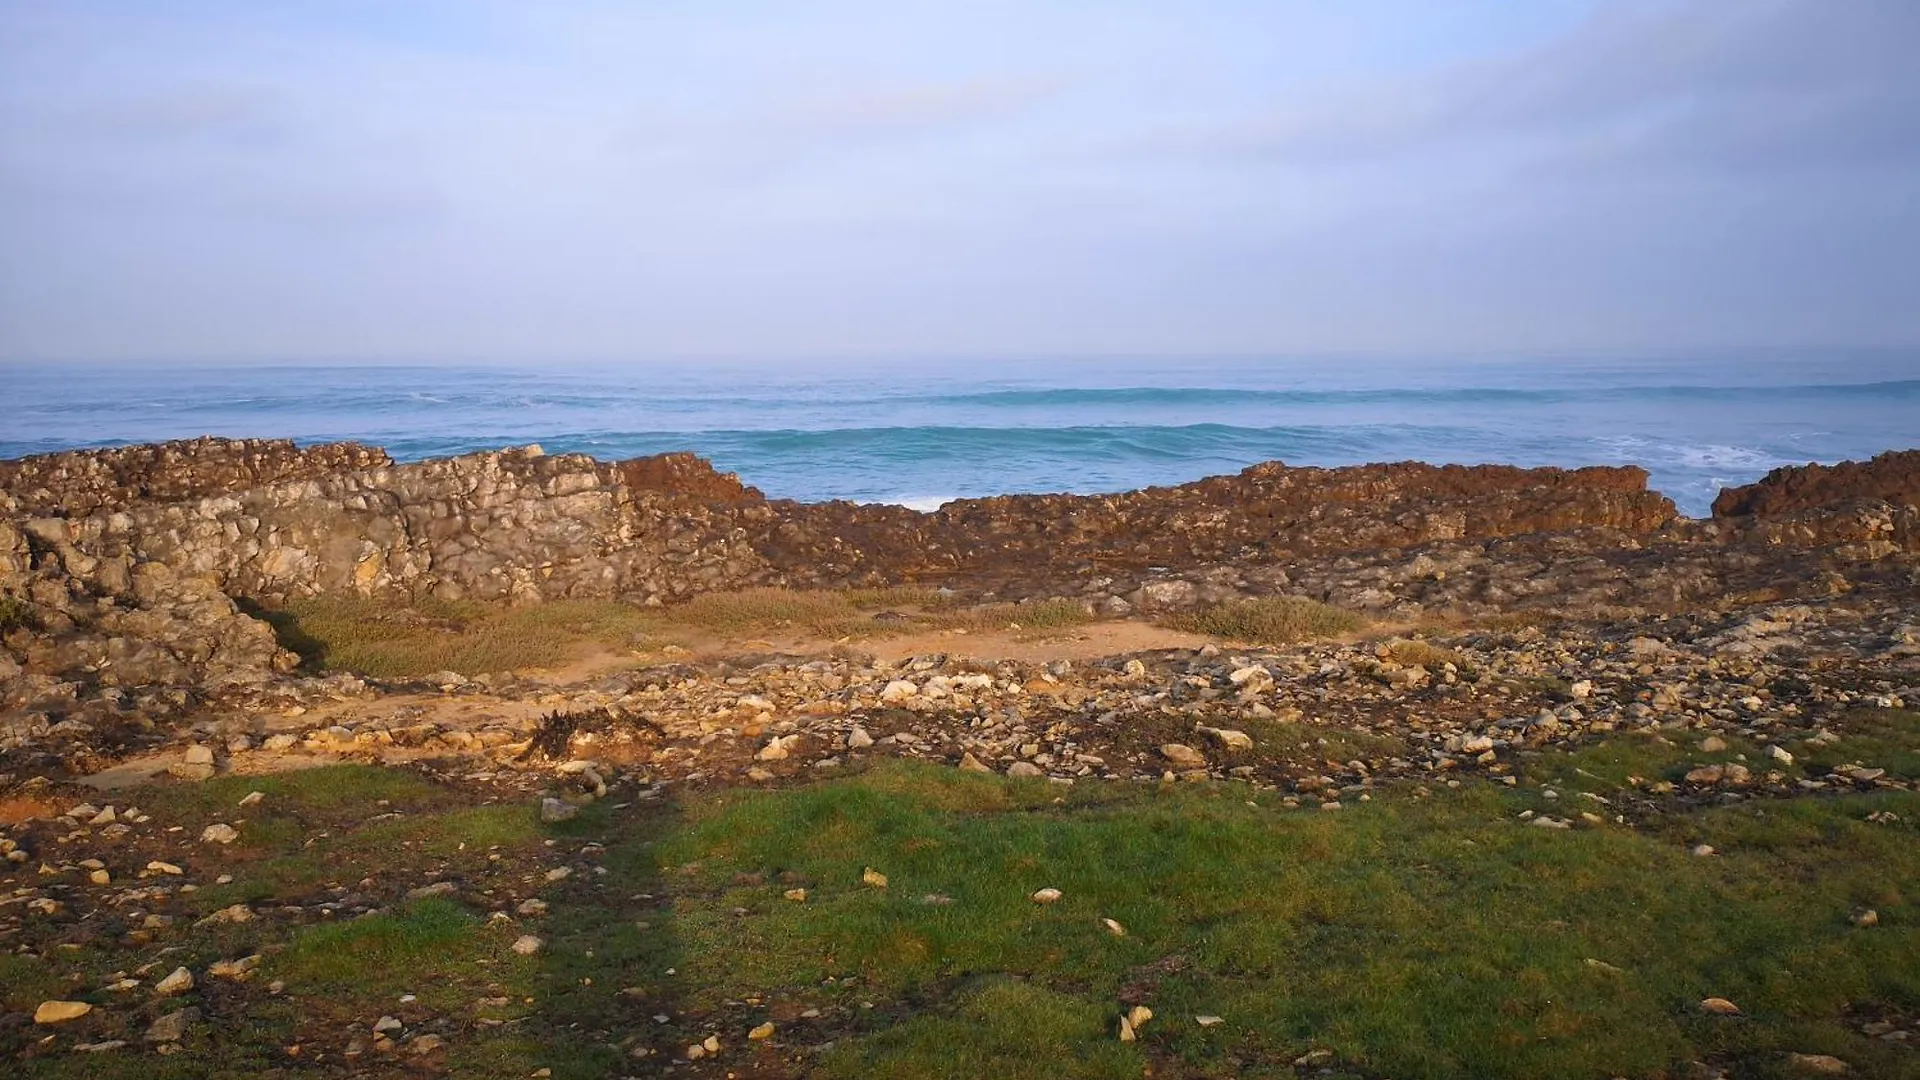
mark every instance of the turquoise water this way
{"type": "Point", "coordinates": [918, 433]}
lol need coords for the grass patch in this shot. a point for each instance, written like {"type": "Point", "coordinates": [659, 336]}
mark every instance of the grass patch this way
{"type": "Point", "coordinates": [433, 948]}
{"type": "Point", "coordinates": [26, 981]}
{"type": "Point", "coordinates": [1003, 1029]}
{"type": "Point", "coordinates": [1428, 938]}
{"type": "Point", "coordinates": [1411, 652]}
{"type": "Point", "coordinates": [390, 640]}
{"type": "Point", "coordinates": [1298, 741]}
{"type": "Point", "coordinates": [16, 614]}
{"type": "Point", "coordinates": [379, 638]}
{"type": "Point", "coordinates": [1271, 620]}
{"type": "Point", "coordinates": [1879, 738]}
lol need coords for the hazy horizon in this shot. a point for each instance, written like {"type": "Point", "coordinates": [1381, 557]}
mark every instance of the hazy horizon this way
{"type": "Point", "coordinates": [589, 181]}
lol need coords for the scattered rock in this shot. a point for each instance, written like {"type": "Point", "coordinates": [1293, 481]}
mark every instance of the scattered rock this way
{"type": "Point", "coordinates": [59, 1012]}
{"type": "Point", "coordinates": [219, 833]}
{"type": "Point", "coordinates": [1046, 896]}
{"type": "Point", "coordinates": [172, 1027]}
{"type": "Point", "coordinates": [527, 944]}
{"type": "Point", "coordinates": [178, 982]}
{"type": "Point", "coordinates": [1719, 1007]}
{"type": "Point", "coordinates": [873, 877]}
{"type": "Point", "coordinates": [1227, 737]}
{"type": "Point", "coordinates": [553, 811]}
{"type": "Point", "coordinates": [1183, 756]}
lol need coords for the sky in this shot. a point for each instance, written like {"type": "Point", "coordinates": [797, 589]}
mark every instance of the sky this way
{"type": "Point", "coordinates": [247, 180]}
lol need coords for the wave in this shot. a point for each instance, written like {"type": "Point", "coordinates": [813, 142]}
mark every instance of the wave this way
{"type": "Point", "coordinates": [490, 395]}
{"type": "Point", "coordinates": [1058, 397]}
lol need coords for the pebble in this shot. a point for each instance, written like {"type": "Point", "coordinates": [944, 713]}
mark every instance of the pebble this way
{"type": "Point", "coordinates": [527, 944]}
{"type": "Point", "coordinates": [59, 1012]}
{"type": "Point", "coordinates": [1227, 737]}
{"type": "Point", "coordinates": [172, 1027]}
{"type": "Point", "coordinates": [553, 811]}
{"type": "Point", "coordinates": [219, 833]}
{"type": "Point", "coordinates": [873, 877]}
{"type": "Point", "coordinates": [1047, 896]}
{"type": "Point", "coordinates": [1719, 1007]}
{"type": "Point", "coordinates": [178, 982]}
{"type": "Point", "coordinates": [1183, 755]}
{"type": "Point", "coordinates": [761, 1032]}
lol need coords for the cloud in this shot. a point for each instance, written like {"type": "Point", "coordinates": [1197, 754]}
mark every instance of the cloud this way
{"type": "Point", "coordinates": [856, 177]}
{"type": "Point", "coordinates": [918, 108]}
{"type": "Point", "coordinates": [1645, 83]}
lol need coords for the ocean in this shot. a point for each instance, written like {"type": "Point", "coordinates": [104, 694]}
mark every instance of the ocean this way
{"type": "Point", "coordinates": [919, 433]}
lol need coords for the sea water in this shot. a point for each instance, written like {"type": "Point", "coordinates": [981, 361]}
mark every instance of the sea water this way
{"type": "Point", "coordinates": [921, 432]}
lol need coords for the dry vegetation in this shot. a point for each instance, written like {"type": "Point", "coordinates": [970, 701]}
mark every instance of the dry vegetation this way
{"type": "Point", "coordinates": [1271, 620]}
{"type": "Point", "coordinates": [396, 640]}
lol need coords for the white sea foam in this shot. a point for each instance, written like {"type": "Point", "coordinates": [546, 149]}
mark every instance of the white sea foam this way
{"type": "Point", "coordinates": [926, 504]}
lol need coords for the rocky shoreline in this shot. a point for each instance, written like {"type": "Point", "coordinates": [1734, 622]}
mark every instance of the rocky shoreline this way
{"type": "Point", "coordinates": [127, 575]}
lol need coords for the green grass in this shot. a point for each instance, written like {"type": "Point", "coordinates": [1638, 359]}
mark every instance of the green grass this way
{"type": "Point", "coordinates": [1878, 738]}
{"type": "Point", "coordinates": [425, 947]}
{"type": "Point", "coordinates": [15, 613]}
{"type": "Point", "coordinates": [1003, 1028]}
{"type": "Point", "coordinates": [1423, 938]}
{"type": "Point", "coordinates": [1415, 937]}
{"type": "Point", "coordinates": [1271, 620]}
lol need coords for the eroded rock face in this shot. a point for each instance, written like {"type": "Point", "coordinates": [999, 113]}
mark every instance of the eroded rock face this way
{"type": "Point", "coordinates": [685, 474]}
{"type": "Point", "coordinates": [1892, 477]}
{"type": "Point", "coordinates": [139, 591]}
{"type": "Point", "coordinates": [81, 482]}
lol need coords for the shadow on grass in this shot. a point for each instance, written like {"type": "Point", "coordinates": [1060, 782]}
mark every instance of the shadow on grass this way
{"type": "Point", "coordinates": [289, 633]}
{"type": "Point", "coordinates": [607, 997]}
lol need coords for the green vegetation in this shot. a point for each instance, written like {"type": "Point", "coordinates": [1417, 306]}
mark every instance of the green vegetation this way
{"type": "Point", "coordinates": [1271, 620]}
{"type": "Point", "coordinates": [1425, 934]}
{"type": "Point", "coordinates": [15, 613]}
{"type": "Point", "coordinates": [393, 640]}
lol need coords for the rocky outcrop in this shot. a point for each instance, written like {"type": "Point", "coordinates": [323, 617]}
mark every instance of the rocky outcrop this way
{"type": "Point", "coordinates": [685, 474]}
{"type": "Point", "coordinates": [522, 525]}
{"type": "Point", "coordinates": [1892, 477]}
{"type": "Point", "coordinates": [1264, 513]}
{"type": "Point", "coordinates": [80, 482]}
{"type": "Point", "coordinates": [119, 572]}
